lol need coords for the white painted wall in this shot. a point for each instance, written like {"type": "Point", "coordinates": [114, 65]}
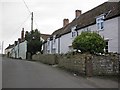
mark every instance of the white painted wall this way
{"type": "Point", "coordinates": [23, 49]}
{"type": "Point", "coordinates": [19, 50]}
{"type": "Point", "coordinates": [110, 32]}
{"type": "Point", "coordinates": [66, 42]}
{"type": "Point", "coordinates": [119, 34]}
{"type": "Point", "coordinates": [56, 45]}
{"type": "Point", "coordinates": [8, 50]}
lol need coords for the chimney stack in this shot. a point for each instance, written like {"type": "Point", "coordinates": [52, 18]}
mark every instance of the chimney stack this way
{"type": "Point", "coordinates": [65, 22]}
{"type": "Point", "coordinates": [19, 40]}
{"type": "Point", "coordinates": [22, 34]}
{"type": "Point", "coordinates": [77, 13]}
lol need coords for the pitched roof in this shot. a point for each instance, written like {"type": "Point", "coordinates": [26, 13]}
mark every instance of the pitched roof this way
{"type": "Point", "coordinates": [110, 9]}
{"type": "Point", "coordinates": [10, 46]}
{"type": "Point", "coordinates": [45, 36]}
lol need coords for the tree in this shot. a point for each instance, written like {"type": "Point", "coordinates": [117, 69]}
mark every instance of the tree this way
{"type": "Point", "coordinates": [89, 42]}
{"type": "Point", "coordinates": [34, 44]}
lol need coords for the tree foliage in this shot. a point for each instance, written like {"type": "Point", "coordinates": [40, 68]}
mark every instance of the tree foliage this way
{"type": "Point", "coordinates": [89, 42]}
{"type": "Point", "coordinates": [34, 44]}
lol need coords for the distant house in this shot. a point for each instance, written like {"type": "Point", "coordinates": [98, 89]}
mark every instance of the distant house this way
{"type": "Point", "coordinates": [19, 50]}
{"type": "Point", "coordinates": [20, 47]}
{"type": "Point", "coordinates": [44, 37]}
{"type": "Point", "coordinates": [103, 19]}
{"type": "Point", "coordinates": [8, 50]}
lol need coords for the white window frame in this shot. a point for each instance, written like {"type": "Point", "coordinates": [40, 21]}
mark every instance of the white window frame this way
{"type": "Point", "coordinates": [73, 32]}
{"type": "Point", "coordinates": [100, 22]}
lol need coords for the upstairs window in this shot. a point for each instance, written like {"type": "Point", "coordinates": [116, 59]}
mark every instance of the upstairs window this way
{"type": "Point", "coordinates": [73, 32]}
{"type": "Point", "coordinates": [100, 22]}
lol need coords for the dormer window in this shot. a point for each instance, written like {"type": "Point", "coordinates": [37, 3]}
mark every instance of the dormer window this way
{"type": "Point", "coordinates": [73, 32]}
{"type": "Point", "coordinates": [100, 22]}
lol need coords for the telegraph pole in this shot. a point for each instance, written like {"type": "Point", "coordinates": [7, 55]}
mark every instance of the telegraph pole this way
{"type": "Point", "coordinates": [31, 21]}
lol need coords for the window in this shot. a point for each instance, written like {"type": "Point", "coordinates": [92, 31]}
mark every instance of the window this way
{"type": "Point", "coordinates": [100, 22]}
{"type": "Point", "coordinates": [73, 32]}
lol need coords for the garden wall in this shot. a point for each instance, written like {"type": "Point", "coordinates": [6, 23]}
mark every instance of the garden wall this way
{"type": "Point", "coordinates": [45, 58]}
{"type": "Point", "coordinates": [86, 64]}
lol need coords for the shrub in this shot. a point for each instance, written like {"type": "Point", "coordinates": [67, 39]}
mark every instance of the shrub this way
{"type": "Point", "coordinates": [89, 42]}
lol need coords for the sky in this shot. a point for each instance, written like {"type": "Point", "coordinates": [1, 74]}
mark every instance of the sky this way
{"type": "Point", "coordinates": [48, 15]}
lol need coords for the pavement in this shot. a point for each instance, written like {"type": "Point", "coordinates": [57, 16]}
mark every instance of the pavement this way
{"type": "Point", "coordinates": [26, 74]}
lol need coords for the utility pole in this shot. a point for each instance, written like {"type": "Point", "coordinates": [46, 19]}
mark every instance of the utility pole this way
{"type": "Point", "coordinates": [31, 21]}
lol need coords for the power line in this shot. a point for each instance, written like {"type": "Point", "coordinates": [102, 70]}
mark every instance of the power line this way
{"type": "Point", "coordinates": [21, 25]}
{"type": "Point", "coordinates": [27, 6]}
{"type": "Point", "coordinates": [30, 12]}
{"type": "Point", "coordinates": [36, 23]}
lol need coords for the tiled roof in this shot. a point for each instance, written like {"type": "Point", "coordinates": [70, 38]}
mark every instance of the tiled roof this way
{"type": "Point", "coordinates": [110, 9]}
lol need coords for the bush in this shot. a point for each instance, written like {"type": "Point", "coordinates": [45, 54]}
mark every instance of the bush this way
{"type": "Point", "coordinates": [89, 42]}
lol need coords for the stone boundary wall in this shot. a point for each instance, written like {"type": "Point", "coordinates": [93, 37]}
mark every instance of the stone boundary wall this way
{"type": "Point", "coordinates": [105, 65]}
{"type": "Point", "coordinates": [45, 58]}
{"type": "Point", "coordinates": [75, 63]}
{"type": "Point", "coordinates": [86, 64]}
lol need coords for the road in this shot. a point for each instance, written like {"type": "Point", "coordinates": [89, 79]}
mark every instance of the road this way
{"type": "Point", "coordinates": [27, 74]}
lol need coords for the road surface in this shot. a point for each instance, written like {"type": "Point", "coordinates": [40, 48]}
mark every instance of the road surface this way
{"type": "Point", "coordinates": [27, 74]}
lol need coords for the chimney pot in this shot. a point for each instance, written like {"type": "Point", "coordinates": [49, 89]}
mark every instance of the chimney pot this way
{"type": "Point", "coordinates": [65, 22]}
{"type": "Point", "coordinates": [78, 13]}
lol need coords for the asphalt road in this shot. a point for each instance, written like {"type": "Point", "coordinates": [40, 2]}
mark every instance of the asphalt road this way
{"type": "Point", "coordinates": [27, 74]}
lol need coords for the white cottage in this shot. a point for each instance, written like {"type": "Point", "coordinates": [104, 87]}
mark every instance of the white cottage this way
{"type": "Point", "coordinates": [19, 50]}
{"type": "Point", "coordinates": [103, 19]}
{"type": "Point", "coordinates": [8, 50]}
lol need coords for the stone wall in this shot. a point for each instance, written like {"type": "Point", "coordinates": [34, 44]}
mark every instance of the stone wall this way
{"type": "Point", "coordinates": [75, 63]}
{"type": "Point", "coordinates": [106, 65]}
{"type": "Point", "coordinates": [45, 58]}
{"type": "Point", "coordinates": [86, 64]}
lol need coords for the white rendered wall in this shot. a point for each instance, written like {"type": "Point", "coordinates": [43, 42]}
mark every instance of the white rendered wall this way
{"type": "Point", "coordinates": [23, 49]}
{"type": "Point", "coordinates": [110, 32]}
{"type": "Point", "coordinates": [65, 43]}
{"type": "Point", "coordinates": [20, 50]}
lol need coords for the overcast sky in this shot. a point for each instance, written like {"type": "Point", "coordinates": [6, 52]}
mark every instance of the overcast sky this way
{"type": "Point", "coordinates": [48, 15]}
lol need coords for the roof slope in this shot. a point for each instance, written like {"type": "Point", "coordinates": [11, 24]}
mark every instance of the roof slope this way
{"type": "Point", "coordinates": [110, 9]}
{"type": "Point", "coordinates": [45, 36]}
{"type": "Point", "coordinates": [10, 46]}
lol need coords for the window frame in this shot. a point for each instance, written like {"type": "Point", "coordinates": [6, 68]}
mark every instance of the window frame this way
{"type": "Point", "coordinates": [100, 22]}
{"type": "Point", "coordinates": [73, 32]}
